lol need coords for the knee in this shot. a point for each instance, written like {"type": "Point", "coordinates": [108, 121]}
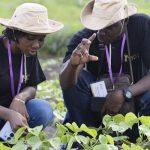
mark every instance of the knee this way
{"type": "Point", "coordinates": [40, 112]}
{"type": "Point", "coordinates": [145, 104]}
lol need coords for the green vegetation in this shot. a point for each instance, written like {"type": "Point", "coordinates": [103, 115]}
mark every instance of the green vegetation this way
{"type": "Point", "coordinates": [68, 12]}
{"type": "Point", "coordinates": [110, 136]}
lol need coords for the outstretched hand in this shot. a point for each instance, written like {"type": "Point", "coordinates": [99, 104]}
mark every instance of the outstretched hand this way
{"type": "Point", "coordinates": [81, 53]}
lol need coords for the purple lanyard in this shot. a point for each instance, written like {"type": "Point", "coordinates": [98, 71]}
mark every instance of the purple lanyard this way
{"type": "Point", "coordinates": [11, 72]}
{"type": "Point", "coordinates": [108, 59]}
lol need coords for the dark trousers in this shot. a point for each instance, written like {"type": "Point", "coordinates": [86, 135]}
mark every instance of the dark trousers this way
{"type": "Point", "coordinates": [78, 102]}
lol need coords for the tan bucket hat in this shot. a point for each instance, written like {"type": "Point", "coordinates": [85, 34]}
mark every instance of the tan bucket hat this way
{"type": "Point", "coordinates": [32, 18]}
{"type": "Point", "coordinates": [98, 14]}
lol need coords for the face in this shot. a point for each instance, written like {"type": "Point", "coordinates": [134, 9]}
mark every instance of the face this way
{"type": "Point", "coordinates": [111, 33]}
{"type": "Point", "coordinates": [30, 44]}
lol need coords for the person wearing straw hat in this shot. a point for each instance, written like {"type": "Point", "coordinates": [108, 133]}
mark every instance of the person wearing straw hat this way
{"type": "Point", "coordinates": [20, 71]}
{"type": "Point", "coordinates": [106, 23]}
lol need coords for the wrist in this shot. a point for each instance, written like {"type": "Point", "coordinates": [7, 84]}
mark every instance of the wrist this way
{"type": "Point", "coordinates": [19, 100]}
{"type": "Point", "coordinates": [128, 95]}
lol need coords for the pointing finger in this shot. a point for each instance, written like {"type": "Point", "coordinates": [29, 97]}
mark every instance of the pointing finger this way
{"type": "Point", "coordinates": [92, 37]}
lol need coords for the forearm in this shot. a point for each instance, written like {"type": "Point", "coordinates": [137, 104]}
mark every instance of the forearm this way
{"type": "Point", "coordinates": [141, 86]}
{"type": "Point", "coordinates": [26, 94]}
{"type": "Point", "coordinates": [69, 74]}
{"type": "Point", "coordinates": [4, 113]}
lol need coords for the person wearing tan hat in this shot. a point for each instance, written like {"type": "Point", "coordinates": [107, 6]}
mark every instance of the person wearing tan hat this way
{"type": "Point", "coordinates": [20, 71]}
{"type": "Point", "coordinates": [102, 48]}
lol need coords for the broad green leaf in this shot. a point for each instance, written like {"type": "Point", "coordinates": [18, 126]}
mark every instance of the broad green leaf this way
{"type": "Point", "coordinates": [125, 147]}
{"type": "Point", "coordinates": [136, 147]}
{"type": "Point", "coordinates": [120, 138]}
{"type": "Point", "coordinates": [110, 139]}
{"type": "Point", "coordinates": [55, 142]}
{"type": "Point", "coordinates": [42, 136]}
{"type": "Point", "coordinates": [4, 147]}
{"type": "Point", "coordinates": [20, 146]}
{"type": "Point", "coordinates": [101, 147]}
{"type": "Point", "coordinates": [73, 127]}
{"type": "Point", "coordinates": [35, 131]}
{"type": "Point", "coordinates": [33, 140]}
{"type": "Point", "coordinates": [106, 120]}
{"type": "Point", "coordinates": [61, 128]}
{"type": "Point", "coordinates": [145, 119]}
{"type": "Point", "coordinates": [131, 119]}
{"type": "Point", "coordinates": [91, 132]}
{"type": "Point", "coordinates": [103, 139]}
{"type": "Point", "coordinates": [105, 147]}
{"type": "Point", "coordinates": [118, 118]}
{"type": "Point", "coordinates": [123, 126]}
{"type": "Point", "coordinates": [46, 143]}
{"type": "Point", "coordinates": [19, 133]}
{"type": "Point", "coordinates": [65, 138]}
{"type": "Point", "coordinates": [82, 139]}
{"type": "Point", "coordinates": [36, 146]}
{"type": "Point", "coordinates": [70, 143]}
{"type": "Point", "coordinates": [145, 129]}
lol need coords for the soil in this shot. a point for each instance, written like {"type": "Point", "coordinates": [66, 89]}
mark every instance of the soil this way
{"type": "Point", "coordinates": [51, 66]}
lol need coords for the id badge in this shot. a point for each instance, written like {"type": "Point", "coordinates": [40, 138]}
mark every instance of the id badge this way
{"type": "Point", "coordinates": [99, 89]}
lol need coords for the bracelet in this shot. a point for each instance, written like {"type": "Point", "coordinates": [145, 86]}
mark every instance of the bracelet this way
{"type": "Point", "coordinates": [20, 100]}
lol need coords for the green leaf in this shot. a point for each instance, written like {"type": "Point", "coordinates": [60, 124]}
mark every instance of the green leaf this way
{"type": "Point", "coordinates": [73, 127]}
{"type": "Point", "coordinates": [33, 140]}
{"type": "Point", "coordinates": [65, 138]}
{"type": "Point", "coordinates": [61, 128]}
{"type": "Point", "coordinates": [19, 133]}
{"type": "Point", "coordinates": [101, 147]}
{"type": "Point", "coordinates": [20, 146]}
{"type": "Point", "coordinates": [35, 131]}
{"type": "Point", "coordinates": [120, 138]}
{"type": "Point", "coordinates": [105, 147]}
{"type": "Point", "coordinates": [55, 142]}
{"type": "Point", "coordinates": [110, 139]}
{"type": "Point", "coordinates": [91, 132]}
{"type": "Point", "coordinates": [103, 139]}
{"type": "Point", "coordinates": [131, 119]}
{"type": "Point", "coordinates": [106, 120]}
{"type": "Point", "coordinates": [70, 143]}
{"type": "Point", "coordinates": [136, 147]}
{"type": "Point", "coordinates": [118, 118]}
{"type": "Point", "coordinates": [4, 147]}
{"type": "Point", "coordinates": [145, 119]}
{"type": "Point", "coordinates": [125, 147]}
{"type": "Point", "coordinates": [145, 129]}
{"type": "Point", "coordinates": [82, 139]}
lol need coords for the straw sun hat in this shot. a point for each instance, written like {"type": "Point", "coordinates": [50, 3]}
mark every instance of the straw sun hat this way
{"type": "Point", "coordinates": [32, 18]}
{"type": "Point", "coordinates": [98, 14]}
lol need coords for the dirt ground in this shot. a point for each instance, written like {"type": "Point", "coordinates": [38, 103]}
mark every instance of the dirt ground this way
{"type": "Point", "coordinates": [51, 66]}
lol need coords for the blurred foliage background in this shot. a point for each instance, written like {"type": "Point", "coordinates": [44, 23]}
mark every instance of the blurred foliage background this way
{"type": "Point", "coordinates": [65, 11]}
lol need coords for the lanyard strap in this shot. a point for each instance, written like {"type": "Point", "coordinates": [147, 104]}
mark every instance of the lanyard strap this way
{"type": "Point", "coordinates": [11, 72]}
{"type": "Point", "coordinates": [109, 59]}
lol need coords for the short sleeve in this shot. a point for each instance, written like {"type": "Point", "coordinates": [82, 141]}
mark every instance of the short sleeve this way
{"type": "Point", "coordinates": [35, 73]}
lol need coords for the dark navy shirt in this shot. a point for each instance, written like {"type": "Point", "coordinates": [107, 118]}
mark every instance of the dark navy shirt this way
{"type": "Point", "coordinates": [34, 73]}
{"type": "Point", "coordinates": [139, 40]}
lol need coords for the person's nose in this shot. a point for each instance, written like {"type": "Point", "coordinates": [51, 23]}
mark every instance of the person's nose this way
{"type": "Point", "coordinates": [36, 44]}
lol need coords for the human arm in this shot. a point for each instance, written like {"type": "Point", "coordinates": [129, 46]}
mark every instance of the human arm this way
{"type": "Point", "coordinates": [79, 57]}
{"type": "Point", "coordinates": [16, 119]}
{"type": "Point", "coordinates": [18, 102]}
{"type": "Point", "coordinates": [115, 100]}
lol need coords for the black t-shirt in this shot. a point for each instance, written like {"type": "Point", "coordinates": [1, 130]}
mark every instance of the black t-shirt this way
{"type": "Point", "coordinates": [139, 40]}
{"type": "Point", "coordinates": [34, 73]}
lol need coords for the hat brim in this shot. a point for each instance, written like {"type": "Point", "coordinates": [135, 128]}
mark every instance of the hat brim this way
{"type": "Point", "coordinates": [95, 23]}
{"type": "Point", "coordinates": [54, 26]}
